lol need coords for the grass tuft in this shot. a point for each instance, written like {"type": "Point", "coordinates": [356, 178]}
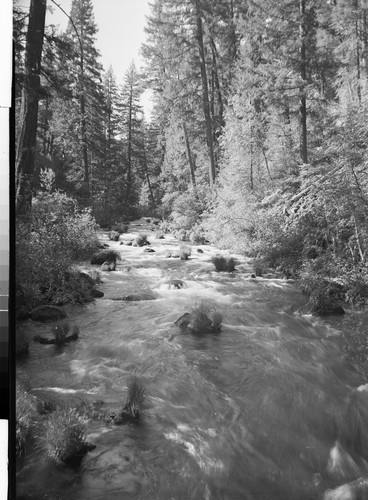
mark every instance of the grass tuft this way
{"type": "Point", "coordinates": [105, 255]}
{"type": "Point", "coordinates": [141, 240]}
{"type": "Point", "coordinates": [26, 409]}
{"type": "Point", "coordinates": [61, 331]}
{"type": "Point", "coordinates": [134, 402]}
{"type": "Point", "coordinates": [222, 263]}
{"type": "Point", "coordinates": [204, 317]}
{"type": "Point", "coordinates": [114, 236]}
{"type": "Point", "coordinates": [63, 436]}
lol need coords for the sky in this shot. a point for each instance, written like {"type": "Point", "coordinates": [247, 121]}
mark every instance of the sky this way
{"type": "Point", "coordinates": [120, 33]}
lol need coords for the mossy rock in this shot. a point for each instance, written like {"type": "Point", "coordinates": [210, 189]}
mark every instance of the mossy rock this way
{"type": "Point", "coordinates": [47, 314]}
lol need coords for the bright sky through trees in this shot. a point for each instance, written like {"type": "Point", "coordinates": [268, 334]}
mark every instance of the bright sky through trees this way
{"type": "Point", "coordinates": [120, 31]}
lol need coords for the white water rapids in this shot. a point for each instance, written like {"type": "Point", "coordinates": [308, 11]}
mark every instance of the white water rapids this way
{"type": "Point", "coordinates": [270, 408]}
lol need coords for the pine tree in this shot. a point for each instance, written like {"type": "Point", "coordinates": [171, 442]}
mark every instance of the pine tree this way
{"type": "Point", "coordinates": [26, 141]}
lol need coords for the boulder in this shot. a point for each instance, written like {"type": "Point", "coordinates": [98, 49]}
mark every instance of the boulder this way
{"type": "Point", "coordinates": [183, 321]}
{"type": "Point", "coordinates": [49, 341]}
{"type": "Point", "coordinates": [47, 314]}
{"type": "Point", "coordinates": [328, 309]}
{"type": "Point", "coordinates": [197, 322]}
{"type": "Point", "coordinates": [149, 250]}
{"type": "Point", "coordinates": [137, 296]}
{"type": "Point", "coordinates": [176, 283]}
{"type": "Point", "coordinates": [97, 294]}
{"type": "Point", "coordinates": [87, 278]}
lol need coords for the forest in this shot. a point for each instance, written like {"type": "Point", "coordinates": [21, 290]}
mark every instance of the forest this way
{"type": "Point", "coordinates": [257, 140]}
{"type": "Point", "coordinates": [254, 159]}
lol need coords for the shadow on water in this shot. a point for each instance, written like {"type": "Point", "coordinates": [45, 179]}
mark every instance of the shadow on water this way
{"type": "Point", "coordinates": [272, 407]}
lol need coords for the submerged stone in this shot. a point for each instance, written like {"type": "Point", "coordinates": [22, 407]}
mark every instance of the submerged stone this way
{"type": "Point", "coordinates": [97, 294]}
{"type": "Point", "coordinates": [50, 341]}
{"type": "Point", "coordinates": [47, 314]}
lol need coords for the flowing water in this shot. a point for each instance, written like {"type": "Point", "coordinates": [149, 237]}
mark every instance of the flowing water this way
{"type": "Point", "coordinates": [269, 408]}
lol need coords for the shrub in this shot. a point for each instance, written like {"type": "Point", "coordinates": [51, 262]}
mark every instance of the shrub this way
{"type": "Point", "coordinates": [183, 211]}
{"type": "Point", "coordinates": [357, 289]}
{"type": "Point", "coordinates": [105, 256]}
{"type": "Point", "coordinates": [26, 408]}
{"type": "Point", "coordinates": [223, 263]}
{"type": "Point", "coordinates": [184, 252]}
{"type": "Point", "coordinates": [63, 435]}
{"type": "Point", "coordinates": [113, 236]}
{"type": "Point", "coordinates": [55, 233]}
{"type": "Point", "coordinates": [141, 240]}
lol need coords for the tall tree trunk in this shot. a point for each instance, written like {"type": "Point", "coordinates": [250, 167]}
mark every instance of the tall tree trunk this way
{"type": "Point", "coordinates": [365, 40]}
{"type": "Point", "coordinates": [206, 103]}
{"type": "Point", "coordinates": [190, 157]}
{"type": "Point", "coordinates": [303, 74]}
{"type": "Point", "coordinates": [25, 152]}
{"type": "Point", "coordinates": [357, 51]}
{"type": "Point", "coordinates": [217, 84]}
{"type": "Point", "coordinates": [82, 104]}
{"type": "Point", "coordinates": [147, 175]}
{"type": "Point", "coordinates": [130, 137]}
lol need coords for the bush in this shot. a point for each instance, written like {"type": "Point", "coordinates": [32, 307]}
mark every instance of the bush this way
{"type": "Point", "coordinates": [184, 252]}
{"type": "Point", "coordinates": [113, 236]}
{"type": "Point", "coordinates": [224, 263]}
{"type": "Point", "coordinates": [105, 256]}
{"type": "Point", "coordinates": [48, 240]}
{"type": "Point", "coordinates": [184, 211]}
{"type": "Point", "coordinates": [357, 288]}
{"type": "Point", "coordinates": [63, 436]}
{"type": "Point", "coordinates": [26, 408]}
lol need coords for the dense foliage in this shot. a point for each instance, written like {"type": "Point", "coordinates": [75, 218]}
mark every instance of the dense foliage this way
{"type": "Point", "coordinates": [55, 234]}
{"type": "Point", "coordinates": [258, 137]}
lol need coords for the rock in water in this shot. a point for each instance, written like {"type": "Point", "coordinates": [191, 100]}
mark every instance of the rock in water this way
{"type": "Point", "coordinates": [47, 314]}
{"type": "Point", "coordinates": [108, 266]}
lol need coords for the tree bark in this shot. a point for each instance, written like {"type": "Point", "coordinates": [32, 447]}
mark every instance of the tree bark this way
{"type": "Point", "coordinates": [303, 74]}
{"type": "Point", "coordinates": [190, 157]}
{"type": "Point", "coordinates": [206, 103]}
{"type": "Point", "coordinates": [26, 143]}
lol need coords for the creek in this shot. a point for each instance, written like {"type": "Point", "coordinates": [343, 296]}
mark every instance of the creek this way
{"type": "Point", "coordinates": [269, 408]}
